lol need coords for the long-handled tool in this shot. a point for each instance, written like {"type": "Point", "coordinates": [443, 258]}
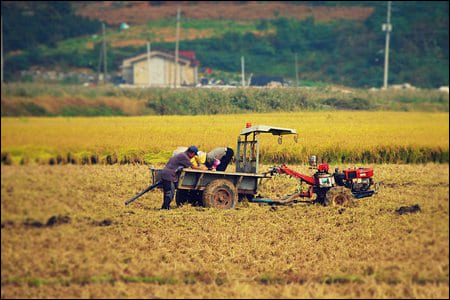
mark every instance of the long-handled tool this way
{"type": "Point", "coordinates": [148, 189]}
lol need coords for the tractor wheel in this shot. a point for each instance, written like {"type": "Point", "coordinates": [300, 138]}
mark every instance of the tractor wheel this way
{"type": "Point", "coordinates": [339, 195]}
{"type": "Point", "coordinates": [220, 193]}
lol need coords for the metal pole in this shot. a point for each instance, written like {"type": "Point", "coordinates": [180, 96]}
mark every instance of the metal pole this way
{"type": "Point", "coordinates": [244, 155]}
{"type": "Point", "coordinates": [243, 70]}
{"type": "Point", "coordinates": [249, 79]}
{"type": "Point", "coordinates": [176, 47]}
{"type": "Point", "coordinates": [238, 154]}
{"type": "Point", "coordinates": [148, 62]}
{"type": "Point", "coordinates": [296, 70]}
{"type": "Point", "coordinates": [99, 69]}
{"type": "Point", "coordinates": [388, 28]}
{"type": "Point", "coordinates": [105, 72]}
{"type": "Point", "coordinates": [257, 154]}
{"type": "Point", "coordinates": [2, 47]}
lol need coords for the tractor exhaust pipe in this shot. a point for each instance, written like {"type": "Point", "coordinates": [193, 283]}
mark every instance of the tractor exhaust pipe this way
{"type": "Point", "coordinates": [313, 161]}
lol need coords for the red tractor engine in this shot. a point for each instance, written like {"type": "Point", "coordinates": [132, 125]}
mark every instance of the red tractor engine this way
{"type": "Point", "coordinates": [336, 188]}
{"type": "Point", "coordinates": [359, 180]}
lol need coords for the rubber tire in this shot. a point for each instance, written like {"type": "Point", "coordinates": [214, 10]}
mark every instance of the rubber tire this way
{"type": "Point", "coordinates": [220, 193]}
{"type": "Point", "coordinates": [188, 196]}
{"type": "Point", "coordinates": [339, 196]}
{"type": "Point", "coordinates": [181, 197]}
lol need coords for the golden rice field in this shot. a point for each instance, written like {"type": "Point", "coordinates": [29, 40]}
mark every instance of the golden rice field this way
{"type": "Point", "coordinates": [335, 136]}
{"type": "Point", "coordinates": [65, 232]}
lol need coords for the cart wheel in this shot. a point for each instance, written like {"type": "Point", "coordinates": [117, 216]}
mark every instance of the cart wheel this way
{"type": "Point", "coordinates": [339, 195]}
{"type": "Point", "coordinates": [188, 196]}
{"type": "Point", "coordinates": [181, 197]}
{"type": "Point", "coordinates": [220, 193]}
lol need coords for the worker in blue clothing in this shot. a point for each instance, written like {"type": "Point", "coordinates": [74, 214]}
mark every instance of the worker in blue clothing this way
{"type": "Point", "coordinates": [170, 173]}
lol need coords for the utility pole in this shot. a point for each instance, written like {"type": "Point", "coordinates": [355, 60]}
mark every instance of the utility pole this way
{"type": "Point", "coordinates": [176, 48]}
{"type": "Point", "coordinates": [2, 47]}
{"type": "Point", "coordinates": [296, 70]}
{"type": "Point", "coordinates": [105, 73]}
{"type": "Point", "coordinates": [148, 62]}
{"type": "Point", "coordinates": [102, 59]}
{"type": "Point", "coordinates": [388, 28]}
{"type": "Point", "coordinates": [99, 66]}
{"type": "Point", "coordinates": [249, 81]}
{"type": "Point", "coordinates": [243, 71]}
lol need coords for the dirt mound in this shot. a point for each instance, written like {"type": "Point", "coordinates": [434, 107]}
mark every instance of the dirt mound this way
{"type": "Point", "coordinates": [105, 222]}
{"type": "Point", "coordinates": [408, 209]}
{"type": "Point", "coordinates": [7, 224]}
{"type": "Point", "coordinates": [52, 221]}
{"type": "Point", "coordinates": [33, 223]}
{"type": "Point", "coordinates": [57, 220]}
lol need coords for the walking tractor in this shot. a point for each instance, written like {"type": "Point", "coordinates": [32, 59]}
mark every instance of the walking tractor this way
{"type": "Point", "coordinates": [225, 189]}
{"type": "Point", "coordinates": [338, 188]}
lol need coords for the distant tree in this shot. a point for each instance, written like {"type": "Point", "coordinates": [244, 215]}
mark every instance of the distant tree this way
{"type": "Point", "coordinates": [156, 3]}
{"type": "Point", "coordinates": [27, 24]}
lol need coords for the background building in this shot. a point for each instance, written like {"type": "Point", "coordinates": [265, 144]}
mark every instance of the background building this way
{"type": "Point", "coordinates": [160, 69]}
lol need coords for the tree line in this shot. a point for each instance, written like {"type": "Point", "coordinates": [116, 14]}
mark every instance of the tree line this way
{"type": "Point", "coordinates": [340, 51]}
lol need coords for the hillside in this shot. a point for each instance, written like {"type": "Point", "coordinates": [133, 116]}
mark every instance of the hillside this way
{"type": "Point", "coordinates": [136, 12]}
{"type": "Point", "coordinates": [338, 42]}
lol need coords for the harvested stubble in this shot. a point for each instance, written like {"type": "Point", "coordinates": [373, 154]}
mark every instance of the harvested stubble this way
{"type": "Point", "coordinates": [250, 252]}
